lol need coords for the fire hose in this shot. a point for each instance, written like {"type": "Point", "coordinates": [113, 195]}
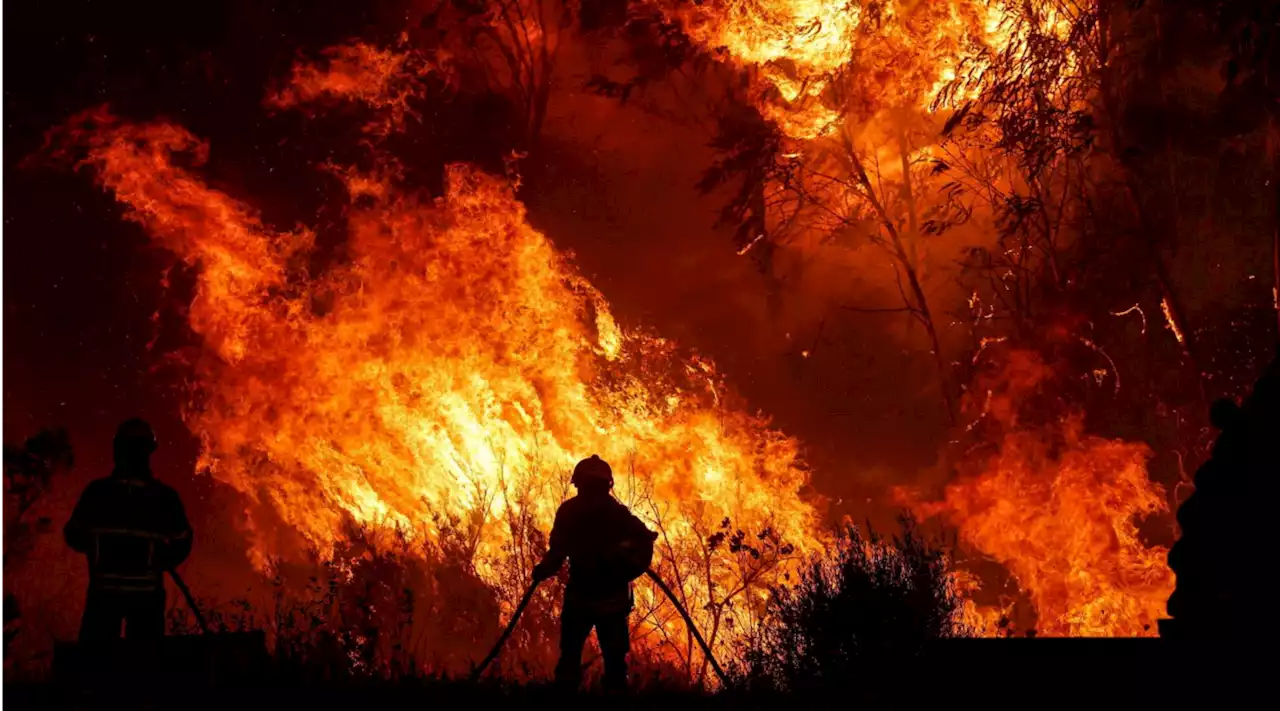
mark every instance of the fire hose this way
{"type": "Point", "coordinates": [191, 600]}
{"type": "Point", "coordinates": [528, 595]}
{"type": "Point", "coordinates": [173, 573]}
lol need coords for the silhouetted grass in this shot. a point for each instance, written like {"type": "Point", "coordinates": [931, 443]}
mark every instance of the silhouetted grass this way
{"type": "Point", "coordinates": [857, 617]}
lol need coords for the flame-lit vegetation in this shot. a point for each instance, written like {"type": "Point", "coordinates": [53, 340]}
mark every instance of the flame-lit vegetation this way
{"type": "Point", "coordinates": [409, 412]}
{"type": "Point", "coordinates": [895, 123]}
{"type": "Point", "coordinates": [452, 372]}
{"type": "Point", "coordinates": [820, 65]}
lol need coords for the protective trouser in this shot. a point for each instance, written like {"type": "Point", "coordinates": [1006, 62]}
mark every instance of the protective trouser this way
{"type": "Point", "coordinates": [141, 613]}
{"type": "Point", "coordinates": [613, 634]}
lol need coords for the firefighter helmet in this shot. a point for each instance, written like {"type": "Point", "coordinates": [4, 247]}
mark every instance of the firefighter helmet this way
{"type": "Point", "coordinates": [592, 470]}
{"type": "Point", "coordinates": [135, 436]}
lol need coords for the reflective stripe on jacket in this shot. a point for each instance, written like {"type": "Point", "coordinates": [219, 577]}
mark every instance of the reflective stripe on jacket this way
{"type": "Point", "coordinates": [132, 529]}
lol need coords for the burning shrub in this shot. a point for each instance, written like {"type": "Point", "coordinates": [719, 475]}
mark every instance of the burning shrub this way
{"type": "Point", "coordinates": [868, 605]}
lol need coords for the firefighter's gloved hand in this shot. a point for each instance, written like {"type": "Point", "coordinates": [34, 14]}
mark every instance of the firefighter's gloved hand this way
{"type": "Point", "coordinates": [544, 570]}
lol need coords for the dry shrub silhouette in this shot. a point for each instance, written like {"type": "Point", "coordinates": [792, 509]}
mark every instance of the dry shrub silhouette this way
{"type": "Point", "coordinates": [856, 617]}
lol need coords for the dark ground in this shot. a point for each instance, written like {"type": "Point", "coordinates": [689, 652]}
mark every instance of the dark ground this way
{"type": "Point", "coordinates": [1010, 673]}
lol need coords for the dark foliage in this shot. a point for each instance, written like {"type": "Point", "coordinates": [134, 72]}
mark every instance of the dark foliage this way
{"type": "Point", "coordinates": [864, 610]}
{"type": "Point", "coordinates": [378, 607]}
{"type": "Point", "coordinates": [29, 470]}
{"type": "Point", "coordinates": [1251, 31]}
{"type": "Point", "coordinates": [656, 48]}
{"type": "Point", "coordinates": [748, 147]}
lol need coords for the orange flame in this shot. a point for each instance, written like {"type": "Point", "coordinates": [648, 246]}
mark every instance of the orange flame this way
{"type": "Point", "coordinates": [796, 46]}
{"type": "Point", "coordinates": [384, 79]}
{"type": "Point", "coordinates": [814, 60]}
{"type": "Point", "coordinates": [1059, 508]}
{"type": "Point", "coordinates": [458, 365]}
{"type": "Point", "coordinates": [1063, 523]}
{"type": "Point", "coordinates": [1054, 505]}
{"type": "Point", "coordinates": [1170, 322]}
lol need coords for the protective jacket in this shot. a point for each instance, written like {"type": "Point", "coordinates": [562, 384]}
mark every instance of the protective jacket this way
{"type": "Point", "coordinates": [132, 528]}
{"type": "Point", "coordinates": [607, 548]}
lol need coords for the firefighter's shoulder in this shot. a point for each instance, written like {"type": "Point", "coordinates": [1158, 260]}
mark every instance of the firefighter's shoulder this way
{"type": "Point", "coordinates": [164, 493]}
{"type": "Point", "coordinates": [99, 488]}
{"type": "Point", "coordinates": [625, 517]}
{"type": "Point", "coordinates": [633, 522]}
{"type": "Point", "coordinates": [564, 512]}
{"type": "Point", "coordinates": [572, 506]}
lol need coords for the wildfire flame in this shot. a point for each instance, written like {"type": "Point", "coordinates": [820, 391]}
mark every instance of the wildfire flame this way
{"type": "Point", "coordinates": [1054, 506]}
{"type": "Point", "coordinates": [456, 366]}
{"type": "Point", "coordinates": [797, 46]}
{"type": "Point", "coordinates": [1059, 508]}
{"type": "Point", "coordinates": [807, 56]}
{"type": "Point", "coordinates": [385, 79]}
{"type": "Point", "coordinates": [1062, 522]}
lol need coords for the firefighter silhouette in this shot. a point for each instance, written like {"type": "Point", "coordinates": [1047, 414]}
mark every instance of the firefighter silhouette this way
{"type": "Point", "coordinates": [607, 548]}
{"type": "Point", "coordinates": [1221, 577]}
{"type": "Point", "coordinates": [132, 529]}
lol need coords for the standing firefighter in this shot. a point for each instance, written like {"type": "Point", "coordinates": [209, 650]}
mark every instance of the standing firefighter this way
{"type": "Point", "coordinates": [132, 528]}
{"type": "Point", "coordinates": [607, 547]}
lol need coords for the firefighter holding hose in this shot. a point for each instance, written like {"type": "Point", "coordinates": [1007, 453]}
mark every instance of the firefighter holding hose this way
{"type": "Point", "coordinates": [132, 529]}
{"type": "Point", "coordinates": [607, 548]}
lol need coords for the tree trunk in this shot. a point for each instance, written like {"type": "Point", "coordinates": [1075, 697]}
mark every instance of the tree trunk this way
{"type": "Point", "coordinates": [919, 309]}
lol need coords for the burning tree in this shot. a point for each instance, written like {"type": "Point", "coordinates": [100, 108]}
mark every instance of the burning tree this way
{"type": "Point", "coordinates": [1010, 125]}
{"type": "Point", "coordinates": [850, 160]}
{"type": "Point", "coordinates": [507, 48]}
